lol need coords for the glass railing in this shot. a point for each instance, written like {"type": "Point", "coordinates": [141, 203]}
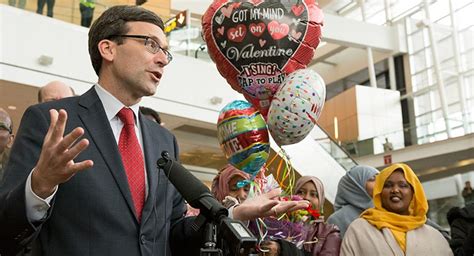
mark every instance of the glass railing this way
{"type": "Point", "coordinates": [413, 135]}
{"type": "Point", "coordinates": [68, 10]}
{"type": "Point", "coordinates": [185, 41]}
{"type": "Point", "coordinates": [189, 42]}
{"type": "Point", "coordinates": [341, 156]}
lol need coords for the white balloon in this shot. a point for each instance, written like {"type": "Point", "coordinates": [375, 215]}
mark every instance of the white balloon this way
{"type": "Point", "coordinates": [296, 106]}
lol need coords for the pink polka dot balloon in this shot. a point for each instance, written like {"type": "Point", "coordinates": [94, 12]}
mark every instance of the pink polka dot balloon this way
{"type": "Point", "coordinates": [296, 106]}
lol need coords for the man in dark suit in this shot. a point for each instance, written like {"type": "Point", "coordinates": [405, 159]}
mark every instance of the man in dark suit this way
{"type": "Point", "coordinates": [82, 178]}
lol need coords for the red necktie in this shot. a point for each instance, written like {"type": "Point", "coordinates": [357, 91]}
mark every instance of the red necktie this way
{"type": "Point", "coordinates": [132, 158]}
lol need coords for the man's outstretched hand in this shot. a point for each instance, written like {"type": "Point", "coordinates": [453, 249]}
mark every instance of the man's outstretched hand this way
{"type": "Point", "coordinates": [56, 162]}
{"type": "Point", "coordinates": [266, 205]}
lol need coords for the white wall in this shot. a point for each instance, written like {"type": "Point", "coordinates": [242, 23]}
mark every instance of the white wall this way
{"type": "Point", "coordinates": [195, 6]}
{"type": "Point", "coordinates": [26, 36]}
{"type": "Point", "coordinates": [447, 187]}
{"type": "Point", "coordinates": [440, 188]}
{"type": "Point", "coordinates": [349, 61]}
{"type": "Point", "coordinates": [379, 114]}
{"type": "Point", "coordinates": [416, 152]}
{"type": "Point", "coordinates": [187, 87]}
{"type": "Point", "coordinates": [353, 33]}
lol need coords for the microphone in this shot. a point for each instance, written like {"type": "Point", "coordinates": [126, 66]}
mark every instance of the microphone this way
{"type": "Point", "coordinates": [232, 235]}
{"type": "Point", "coordinates": [192, 189]}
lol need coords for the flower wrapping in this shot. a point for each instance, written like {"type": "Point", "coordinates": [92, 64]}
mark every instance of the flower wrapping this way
{"type": "Point", "coordinates": [294, 227]}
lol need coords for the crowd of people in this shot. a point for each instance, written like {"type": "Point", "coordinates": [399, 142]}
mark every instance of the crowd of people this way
{"type": "Point", "coordinates": [86, 9]}
{"type": "Point", "coordinates": [376, 213]}
{"type": "Point", "coordinates": [79, 176]}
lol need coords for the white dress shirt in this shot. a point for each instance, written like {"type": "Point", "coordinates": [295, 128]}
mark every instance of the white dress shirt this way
{"type": "Point", "coordinates": [36, 207]}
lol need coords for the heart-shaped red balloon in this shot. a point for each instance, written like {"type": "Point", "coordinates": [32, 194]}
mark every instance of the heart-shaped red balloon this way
{"type": "Point", "coordinates": [256, 43]}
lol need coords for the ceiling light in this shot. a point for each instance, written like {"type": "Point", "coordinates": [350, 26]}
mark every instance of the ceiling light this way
{"type": "Point", "coordinates": [216, 100]}
{"type": "Point", "coordinates": [45, 60]}
{"type": "Point", "coordinates": [465, 162]}
{"type": "Point", "coordinates": [11, 107]}
{"type": "Point", "coordinates": [423, 23]}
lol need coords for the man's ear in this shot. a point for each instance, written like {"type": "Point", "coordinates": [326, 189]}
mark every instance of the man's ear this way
{"type": "Point", "coordinates": [107, 49]}
{"type": "Point", "coordinates": [10, 141]}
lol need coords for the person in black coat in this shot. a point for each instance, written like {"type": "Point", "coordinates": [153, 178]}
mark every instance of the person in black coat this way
{"type": "Point", "coordinates": [461, 221]}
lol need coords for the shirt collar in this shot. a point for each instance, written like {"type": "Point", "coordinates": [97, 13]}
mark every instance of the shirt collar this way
{"type": "Point", "coordinates": [112, 105]}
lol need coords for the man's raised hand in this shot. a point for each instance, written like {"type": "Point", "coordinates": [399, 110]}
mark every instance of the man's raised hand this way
{"type": "Point", "coordinates": [265, 205]}
{"type": "Point", "coordinates": [56, 162]}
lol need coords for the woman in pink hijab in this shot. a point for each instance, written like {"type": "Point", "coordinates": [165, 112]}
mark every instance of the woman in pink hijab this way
{"type": "Point", "coordinates": [229, 186]}
{"type": "Point", "coordinates": [226, 189]}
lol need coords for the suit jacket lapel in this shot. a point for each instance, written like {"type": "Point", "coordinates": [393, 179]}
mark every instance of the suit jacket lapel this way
{"type": "Point", "coordinates": [152, 152]}
{"type": "Point", "coordinates": [97, 125]}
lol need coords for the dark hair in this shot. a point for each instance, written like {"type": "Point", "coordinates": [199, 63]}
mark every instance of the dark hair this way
{"type": "Point", "coordinates": [114, 22]}
{"type": "Point", "coordinates": [40, 96]}
{"type": "Point", "coordinates": [151, 112]}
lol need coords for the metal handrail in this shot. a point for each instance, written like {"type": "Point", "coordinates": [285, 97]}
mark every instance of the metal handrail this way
{"type": "Point", "coordinates": [334, 144]}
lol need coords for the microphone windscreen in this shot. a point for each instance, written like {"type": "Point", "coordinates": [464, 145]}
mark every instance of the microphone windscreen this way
{"type": "Point", "coordinates": [190, 187]}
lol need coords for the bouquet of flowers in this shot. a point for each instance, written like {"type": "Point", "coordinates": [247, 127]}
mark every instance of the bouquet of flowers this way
{"type": "Point", "coordinates": [294, 226]}
{"type": "Point", "coordinates": [302, 216]}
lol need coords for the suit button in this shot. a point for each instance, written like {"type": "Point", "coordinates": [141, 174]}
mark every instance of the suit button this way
{"type": "Point", "coordinates": [142, 239]}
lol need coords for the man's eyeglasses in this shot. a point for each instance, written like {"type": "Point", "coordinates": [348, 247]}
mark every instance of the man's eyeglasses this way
{"type": "Point", "coordinates": [5, 127]}
{"type": "Point", "coordinates": [150, 44]}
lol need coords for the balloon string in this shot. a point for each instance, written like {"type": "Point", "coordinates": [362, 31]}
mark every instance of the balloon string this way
{"type": "Point", "coordinates": [285, 174]}
{"type": "Point", "coordinates": [263, 232]}
{"type": "Point", "coordinates": [286, 171]}
{"type": "Point", "coordinates": [282, 174]}
{"type": "Point", "coordinates": [282, 185]}
{"type": "Point", "coordinates": [257, 187]}
{"type": "Point", "coordinates": [292, 178]}
{"type": "Point", "coordinates": [273, 159]}
{"type": "Point", "coordinates": [289, 174]}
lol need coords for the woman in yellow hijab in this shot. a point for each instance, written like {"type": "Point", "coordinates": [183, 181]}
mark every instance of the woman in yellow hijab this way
{"type": "Point", "coordinates": [396, 224]}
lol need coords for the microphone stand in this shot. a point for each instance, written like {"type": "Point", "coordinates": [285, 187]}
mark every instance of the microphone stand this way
{"type": "Point", "coordinates": [220, 230]}
{"type": "Point", "coordinates": [210, 241]}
